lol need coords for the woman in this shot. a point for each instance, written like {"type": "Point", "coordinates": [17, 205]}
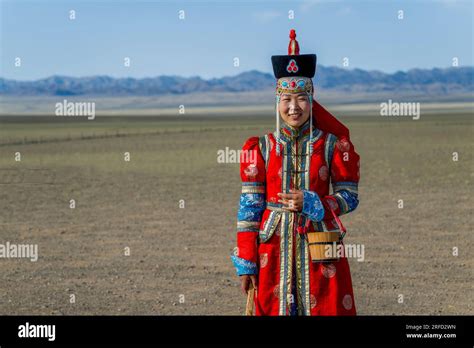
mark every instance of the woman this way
{"type": "Point", "coordinates": [285, 195]}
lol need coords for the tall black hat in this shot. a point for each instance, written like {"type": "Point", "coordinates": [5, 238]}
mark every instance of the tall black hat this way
{"type": "Point", "coordinates": [294, 64]}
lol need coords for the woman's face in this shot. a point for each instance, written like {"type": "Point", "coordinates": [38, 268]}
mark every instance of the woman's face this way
{"type": "Point", "coordinates": [294, 108]}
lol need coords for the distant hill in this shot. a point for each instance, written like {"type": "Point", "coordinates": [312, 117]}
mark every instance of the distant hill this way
{"type": "Point", "coordinates": [418, 81]}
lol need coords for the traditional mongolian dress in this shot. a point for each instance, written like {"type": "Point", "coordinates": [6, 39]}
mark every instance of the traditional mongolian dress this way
{"type": "Point", "coordinates": [272, 242]}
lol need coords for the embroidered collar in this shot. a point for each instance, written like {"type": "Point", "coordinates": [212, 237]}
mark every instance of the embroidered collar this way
{"type": "Point", "coordinates": [291, 133]}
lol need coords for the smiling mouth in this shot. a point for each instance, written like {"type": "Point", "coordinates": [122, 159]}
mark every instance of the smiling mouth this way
{"type": "Point", "coordinates": [295, 115]}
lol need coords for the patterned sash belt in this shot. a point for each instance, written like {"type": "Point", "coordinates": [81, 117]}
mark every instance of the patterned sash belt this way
{"type": "Point", "coordinates": [276, 207]}
{"type": "Point", "coordinates": [302, 223]}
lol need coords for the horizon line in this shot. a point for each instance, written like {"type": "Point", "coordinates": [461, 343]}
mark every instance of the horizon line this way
{"type": "Point", "coordinates": [226, 76]}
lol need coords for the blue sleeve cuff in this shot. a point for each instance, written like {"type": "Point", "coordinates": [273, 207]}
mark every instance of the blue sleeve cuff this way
{"type": "Point", "coordinates": [243, 266]}
{"type": "Point", "coordinates": [252, 206]}
{"type": "Point", "coordinates": [312, 206]}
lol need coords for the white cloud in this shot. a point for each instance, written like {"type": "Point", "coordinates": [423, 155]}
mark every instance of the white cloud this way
{"type": "Point", "coordinates": [307, 5]}
{"type": "Point", "coordinates": [267, 16]}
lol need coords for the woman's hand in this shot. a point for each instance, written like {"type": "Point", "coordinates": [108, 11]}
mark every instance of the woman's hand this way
{"type": "Point", "coordinates": [245, 281]}
{"type": "Point", "coordinates": [292, 201]}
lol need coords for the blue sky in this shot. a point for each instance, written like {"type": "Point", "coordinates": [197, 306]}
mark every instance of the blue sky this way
{"type": "Point", "coordinates": [213, 33]}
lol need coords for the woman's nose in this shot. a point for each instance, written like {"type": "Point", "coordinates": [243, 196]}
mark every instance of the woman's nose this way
{"type": "Point", "coordinates": [293, 106]}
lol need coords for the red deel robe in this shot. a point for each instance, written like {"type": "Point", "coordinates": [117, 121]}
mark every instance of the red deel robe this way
{"type": "Point", "coordinates": [268, 243]}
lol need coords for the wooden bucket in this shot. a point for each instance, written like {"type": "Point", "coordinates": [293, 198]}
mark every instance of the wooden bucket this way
{"type": "Point", "coordinates": [319, 243]}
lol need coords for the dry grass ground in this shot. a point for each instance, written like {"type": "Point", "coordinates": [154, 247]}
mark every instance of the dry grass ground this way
{"type": "Point", "coordinates": [179, 257]}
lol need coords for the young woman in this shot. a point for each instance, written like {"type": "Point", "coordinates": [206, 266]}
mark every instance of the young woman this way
{"type": "Point", "coordinates": [285, 195]}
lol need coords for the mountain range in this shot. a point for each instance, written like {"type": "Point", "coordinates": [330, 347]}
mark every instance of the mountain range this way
{"type": "Point", "coordinates": [436, 81]}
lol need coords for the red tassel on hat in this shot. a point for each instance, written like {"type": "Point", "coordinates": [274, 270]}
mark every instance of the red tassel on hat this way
{"type": "Point", "coordinates": [293, 47]}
